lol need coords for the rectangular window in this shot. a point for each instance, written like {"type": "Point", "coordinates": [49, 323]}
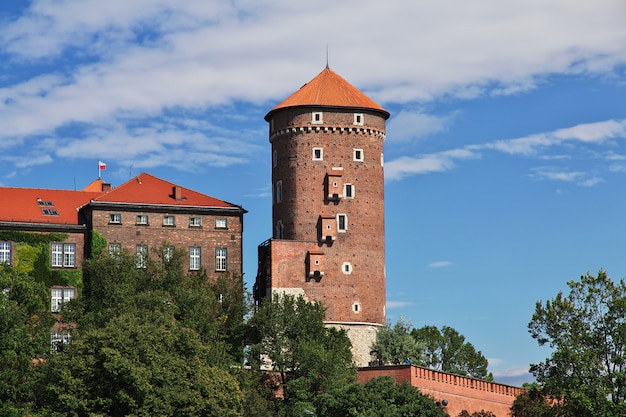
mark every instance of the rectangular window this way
{"type": "Point", "coordinates": [59, 340]}
{"type": "Point", "coordinates": [194, 258]}
{"type": "Point", "coordinates": [195, 222]}
{"type": "Point", "coordinates": [115, 218]}
{"type": "Point", "coordinates": [274, 159]}
{"type": "Point", "coordinates": [142, 256]}
{"type": "Point", "coordinates": [278, 195]}
{"type": "Point", "coordinates": [168, 253]}
{"type": "Point", "coordinates": [142, 219]}
{"type": "Point", "coordinates": [169, 221]}
{"type": "Point", "coordinates": [348, 191]}
{"type": "Point", "coordinates": [5, 253]}
{"type": "Point", "coordinates": [115, 250]}
{"type": "Point", "coordinates": [317, 119]}
{"type": "Point", "coordinates": [220, 259]}
{"type": "Point", "coordinates": [358, 119]}
{"type": "Point", "coordinates": [58, 296]}
{"type": "Point", "coordinates": [342, 222]}
{"type": "Point", "coordinates": [280, 229]}
{"type": "Point", "coordinates": [57, 255]}
{"type": "Point", "coordinates": [63, 255]}
{"type": "Point", "coordinates": [318, 154]}
{"type": "Point", "coordinates": [221, 224]}
{"type": "Point", "coordinates": [69, 255]}
{"type": "Point", "coordinates": [358, 155]}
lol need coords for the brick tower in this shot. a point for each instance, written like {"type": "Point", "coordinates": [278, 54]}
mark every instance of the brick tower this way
{"type": "Point", "coordinates": [328, 239]}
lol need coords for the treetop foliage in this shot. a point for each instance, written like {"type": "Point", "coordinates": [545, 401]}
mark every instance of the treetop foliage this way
{"type": "Point", "coordinates": [586, 330]}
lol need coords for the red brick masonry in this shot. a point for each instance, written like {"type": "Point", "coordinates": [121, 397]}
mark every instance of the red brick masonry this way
{"type": "Point", "coordinates": [461, 393]}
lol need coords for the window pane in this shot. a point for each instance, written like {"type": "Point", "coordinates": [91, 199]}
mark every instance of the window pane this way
{"type": "Point", "coordinates": [57, 254]}
{"type": "Point", "coordinates": [69, 255]}
{"type": "Point", "coordinates": [220, 259]}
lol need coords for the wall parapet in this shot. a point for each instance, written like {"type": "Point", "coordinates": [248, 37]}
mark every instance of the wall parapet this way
{"type": "Point", "coordinates": [464, 381]}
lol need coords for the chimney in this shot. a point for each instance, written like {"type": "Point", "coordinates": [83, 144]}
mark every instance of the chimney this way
{"type": "Point", "coordinates": [178, 193]}
{"type": "Point", "coordinates": [106, 187]}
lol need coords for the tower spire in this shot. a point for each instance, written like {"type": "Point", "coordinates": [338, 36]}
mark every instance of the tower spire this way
{"type": "Point", "coordinates": [326, 56]}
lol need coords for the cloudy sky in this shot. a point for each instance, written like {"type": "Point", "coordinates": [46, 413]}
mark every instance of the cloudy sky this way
{"type": "Point", "coordinates": [505, 151]}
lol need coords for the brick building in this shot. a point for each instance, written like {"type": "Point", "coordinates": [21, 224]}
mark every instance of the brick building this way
{"type": "Point", "coordinates": [144, 213]}
{"type": "Point", "coordinates": [328, 239]}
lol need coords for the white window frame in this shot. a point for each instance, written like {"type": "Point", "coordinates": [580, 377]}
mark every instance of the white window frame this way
{"type": "Point", "coordinates": [357, 155]}
{"type": "Point", "coordinates": [278, 194]}
{"type": "Point", "coordinates": [382, 159]}
{"type": "Point", "coordinates": [63, 255]}
{"type": "Point", "coordinates": [195, 258]}
{"type": "Point", "coordinates": [358, 119]}
{"type": "Point", "coordinates": [142, 255]}
{"type": "Point", "coordinates": [195, 222]}
{"type": "Point", "coordinates": [115, 218]}
{"type": "Point", "coordinates": [59, 339]}
{"type": "Point", "coordinates": [346, 268]}
{"type": "Point", "coordinates": [346, 187]}
{"type": "Point", "coordinates": [317, 118]}
{"type": "Point", "coordinates": [5, 253]}
{"type": "Point", "coordinates": [221, 258]}
{"type": "Point", "coordinates": [321, 157]}
{"type": "Point", "coordinates": [341, 216]}
{"type": "Point", "coordinates": [356, 308]}
{"type": "Point", "coordinates": [169, 221]}
{"type": "Point", "coordinates": [56, 257]}
{"type": "Point", "coordinates": [221, 223]}
{"type": "Point", "coordinates": [142, 219]}
{"type": "Point", "coordinates": [115, 248]}
{"type": "Point", "coordinates": [69, 255]}
{"type": "Point", "coordinates": [60, 296]}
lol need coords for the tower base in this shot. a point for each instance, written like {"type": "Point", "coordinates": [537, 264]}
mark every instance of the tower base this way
{"type": "Point", "coordinates": [362, 336]}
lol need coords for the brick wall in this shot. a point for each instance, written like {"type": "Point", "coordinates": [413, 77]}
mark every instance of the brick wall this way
{"type": "Point", "coordinates": [183, 236]}
{"type": "Point", "coordinates": [353, 284]}
{"type": "Point", "coordinates": [460, 392]}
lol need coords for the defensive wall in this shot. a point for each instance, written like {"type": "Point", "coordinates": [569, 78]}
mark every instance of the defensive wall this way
{"type": "Point", "coordinates": [460, 393]}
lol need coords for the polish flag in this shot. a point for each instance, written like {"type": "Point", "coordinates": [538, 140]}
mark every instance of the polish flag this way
{"type": "Point", "coordinates": [102, 166]}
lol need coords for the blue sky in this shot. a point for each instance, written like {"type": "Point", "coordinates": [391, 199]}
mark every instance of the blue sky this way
{"type": "Point", "coordinates": [505, 152]}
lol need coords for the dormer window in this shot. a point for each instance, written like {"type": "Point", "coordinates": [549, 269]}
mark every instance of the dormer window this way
{"type": "Point", "coordinates": [358, 119]}
{"type": "Point", "coordinates": [316, 118]}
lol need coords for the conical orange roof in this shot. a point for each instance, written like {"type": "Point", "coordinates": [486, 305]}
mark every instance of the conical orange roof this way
{"type": "Point", "coordinates": [328, 89]}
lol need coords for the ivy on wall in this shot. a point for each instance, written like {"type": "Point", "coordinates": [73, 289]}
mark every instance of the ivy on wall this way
{"type": "Point", "coordinates": [32, 256]}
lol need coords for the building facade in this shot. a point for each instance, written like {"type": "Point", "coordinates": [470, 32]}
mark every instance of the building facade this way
{"type": "Point", "coordinates": [328, 241]}
{"type": "Point", "coordinates": [140, 215]}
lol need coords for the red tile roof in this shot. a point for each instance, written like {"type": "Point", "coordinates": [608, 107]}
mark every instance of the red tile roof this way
{"type": "Point", "coordinates": [328, 89]}
{"type": "Point", "coordinates": [148, 189]}
{"type": "Point", "coordinates": [30, 205]}
{"type": "Point", "coordinates": [27, 205]}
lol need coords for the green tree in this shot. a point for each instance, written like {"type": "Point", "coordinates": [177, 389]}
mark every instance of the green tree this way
{"type": "Point", "coordinates": [446, 350]}
{"type": "Point", "coordinates": [586, 330]}
{"type": "Point", "coordinates": [532, 403]}
{"type": "Point", "coordinates": [380, 397]}
{"type": "Point", "coordinates": [308, 357]}
{"type": "Point", "coordinates": [395, 345]}
{"type": "Point", "coordinates": [137, 364]}
{"type": "Point", "coordinates": [149, 341]}
{"type": "Point", "coordinates": [25, 323]}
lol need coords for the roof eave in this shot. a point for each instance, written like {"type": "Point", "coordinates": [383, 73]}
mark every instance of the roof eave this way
{"type": "Point", "coordinates": [384, 113]}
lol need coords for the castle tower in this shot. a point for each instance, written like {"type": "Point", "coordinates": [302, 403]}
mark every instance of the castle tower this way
{"type": "Point", "coordinates": [328, 206]}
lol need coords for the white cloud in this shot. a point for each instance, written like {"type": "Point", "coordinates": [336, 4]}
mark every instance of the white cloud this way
{"type": "Point", "coordinates": [120, 62]}
{"type": "Point", "coordinates": [397, 304]}
{"type": "Point", "coordinates": [413, 125]}
{"type": "Point", "coordinates": [439, 264]}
